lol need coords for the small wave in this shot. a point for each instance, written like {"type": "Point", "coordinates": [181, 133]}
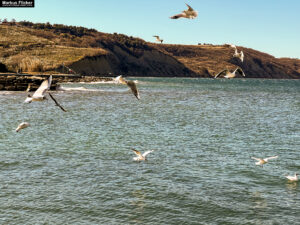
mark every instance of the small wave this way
{"type": "Point", "coordinates": [61, 88]}
{"type": "Point", "coordinates": [8, 92]}
{"type": "Point", "coordinates": [104, 82]}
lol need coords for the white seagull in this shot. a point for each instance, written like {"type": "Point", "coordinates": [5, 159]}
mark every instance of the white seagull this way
{"type": "Point", "coordinates": [140, 156]}
{"type": "Point", "coordinates": [22, 126]}
{"type": "Point", "coordinates": [239, 55]}
{"type": "Point", "coordinates": [39, 94]}
{"type": "Point", "coordinates": [293, 178]}
{"type": "Point", "coordinates": [158, 39]}
{"type": "Point", "coordinates": [261, 162]}
{"type": "Point", "coordinates": [190, 13]}
{"type": "Point", "coordinates": [227, 74]}
{"type": "Point", "coordinates": [131, 84]}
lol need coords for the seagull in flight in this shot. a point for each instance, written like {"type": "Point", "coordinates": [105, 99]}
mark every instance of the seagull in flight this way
{"type": "Point", "coordinates": [129, 83]}
{"type": "Point", "coordinates": [22, 126]}
{"type": "Point", "coordinates": [293, 178]}
{"type": "Point", "coordinates": [190, 13]}
{"type": "Point", "coordinates": [140, 156]}
{"type": "Point", "coordinates": [239, 55]}
{"type": "Point", "coordinates": [261, 162]}
{"type": "Point", "coordinates": [227, 74]}
{"type": "Point", "coordinates": [39, 94]}
{"type": "Point", "coordinates": [158, 39]}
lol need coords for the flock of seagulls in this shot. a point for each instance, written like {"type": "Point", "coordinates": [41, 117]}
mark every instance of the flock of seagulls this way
{"type": "Point", "coordinates": [262, 161]}
{"type": "Point", "coordinates": [40, 95]}
{"type": "Point", "coordinates": [190, 13]}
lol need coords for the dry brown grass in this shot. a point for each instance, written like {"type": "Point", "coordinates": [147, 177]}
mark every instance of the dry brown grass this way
{"type": "Point", "coordinates": [20, 48]}
{"type": "Point", "coordinates": [31, 65]}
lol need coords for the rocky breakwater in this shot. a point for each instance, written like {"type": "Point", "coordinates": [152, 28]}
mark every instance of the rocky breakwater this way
{"type": "Point", "coordinates": [20, 82]}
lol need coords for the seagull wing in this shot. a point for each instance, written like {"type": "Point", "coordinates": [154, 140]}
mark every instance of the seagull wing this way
{"type": "Point", "coordinates": [28, 88]}
{"type": "Point", "coordinates": [133, 88]}
{"type": "Point", "coordinates": [117, 79]}
{"type": "Point", "coordinates": [189, 7]}
{"type": "Point", "coordinates": [221, 73]}
{"type": "Point", "coordinates": [45, 86]}
{"type": "Point", "coordinates": [235, 52]}
{"type": "Point", "coordinates": [121, 80]}
{"type": "Point", "coordinates": [138, 153]}
{"type": "Point", "coordinates": [147, 152]}
{"type": "Point", "coordinates": [56, 103]}
{"type": "Point", "coordinates": [156, 36]}
{"type": "Point", "coordinates": [242, 56]}
{"type": "Point", "coordinates": [240, 71]}
{"type": "Point", "coordinates": [272, 157]}
{"type": "Point", "coordinates": [258, 159]}
{"type": "Point", "coordinates": [178, 16]}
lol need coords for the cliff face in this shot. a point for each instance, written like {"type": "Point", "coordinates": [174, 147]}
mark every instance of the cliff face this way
{"type": "Point", "coordinates": [118, 61]}
{"type": "Point", "coordinates": [261, 65]}
{"type": "Point", "coordinates": [42, 47]}
{"type": "Point", "coordinates": [213, 59]}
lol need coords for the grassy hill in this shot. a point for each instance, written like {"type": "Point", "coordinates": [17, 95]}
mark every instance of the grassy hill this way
{"type": "Point", "coordinates": [45, 47]}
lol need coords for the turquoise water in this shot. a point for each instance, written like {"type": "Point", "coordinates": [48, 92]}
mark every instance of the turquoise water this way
{"type": "Point", "coordinates": [77, 167]}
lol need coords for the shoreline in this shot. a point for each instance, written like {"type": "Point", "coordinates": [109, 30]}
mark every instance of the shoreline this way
{"type": "Point", "coordinates": [21, 82]}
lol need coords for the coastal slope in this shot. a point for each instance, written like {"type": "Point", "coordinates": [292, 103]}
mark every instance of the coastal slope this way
{"type": "Point", "coordinates": [42, 47]}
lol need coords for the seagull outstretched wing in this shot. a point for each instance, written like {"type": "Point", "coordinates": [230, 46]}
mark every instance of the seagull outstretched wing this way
{"type": "Point", "coordinates": [258, 159]}
{"type": "Point", "coordinates": [178, 16]}
{"type": "Point", "coordinates": [133, 88]}
{"type": "Point", "coordinates": [138, 153]}
{"type": "Point", "coordinates": [56, 103]}
{"type": "Point", "coordinates": [45, 86]}
{"type": "Point", "coordinates": [189, 7]}
{"type": "Point", "coordinates": [146, 153]}
{"type": "Point", "coordinates": [223, 72]}
{"type": "Point", "coordinates": [240, 71]}
{"type": "Point", "coordinates": [242, 56]}
{"type": "Point", "coordinates": [272, 157]}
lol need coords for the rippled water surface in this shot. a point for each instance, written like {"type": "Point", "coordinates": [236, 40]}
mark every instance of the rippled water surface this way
{"type": "Point", "coordinates": [77, 167]}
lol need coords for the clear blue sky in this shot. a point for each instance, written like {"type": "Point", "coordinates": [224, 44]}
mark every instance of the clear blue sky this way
{"type": "Point", "coordinates": [271, 26]}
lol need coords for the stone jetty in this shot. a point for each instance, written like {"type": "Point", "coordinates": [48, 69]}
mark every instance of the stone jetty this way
{"type": "Point", "coordinates": [20, 82]}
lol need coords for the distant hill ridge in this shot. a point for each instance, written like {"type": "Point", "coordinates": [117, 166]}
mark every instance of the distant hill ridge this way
{"type": "Point", "coordinates": [38, 47]}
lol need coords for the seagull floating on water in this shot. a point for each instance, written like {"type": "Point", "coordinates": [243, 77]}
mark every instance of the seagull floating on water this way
{"type": "Point", "coordinates": [227, 74]}
{"type": "Point", "coordinates": [190, 13]}
{"type": "Point", "coordinates": [239, 55]}
{"type": "Point", "coordinates": [261, 162]}
{"type": "Point", "coordinates": [129, 83]}
{"type": "Point", "coordinates": [158, 39]}
{"type": "Point", "coordinates": [22, 126]}
{"type": "Point", "coordinates": [293, 178]}
{"type": "Point", "coordinates": [39, 94]}
{"type": "Point", "coordinates": [140, 156]}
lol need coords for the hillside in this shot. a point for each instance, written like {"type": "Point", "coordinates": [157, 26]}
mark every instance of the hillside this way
{"type": "Point", "coordinates": [41, 47]}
